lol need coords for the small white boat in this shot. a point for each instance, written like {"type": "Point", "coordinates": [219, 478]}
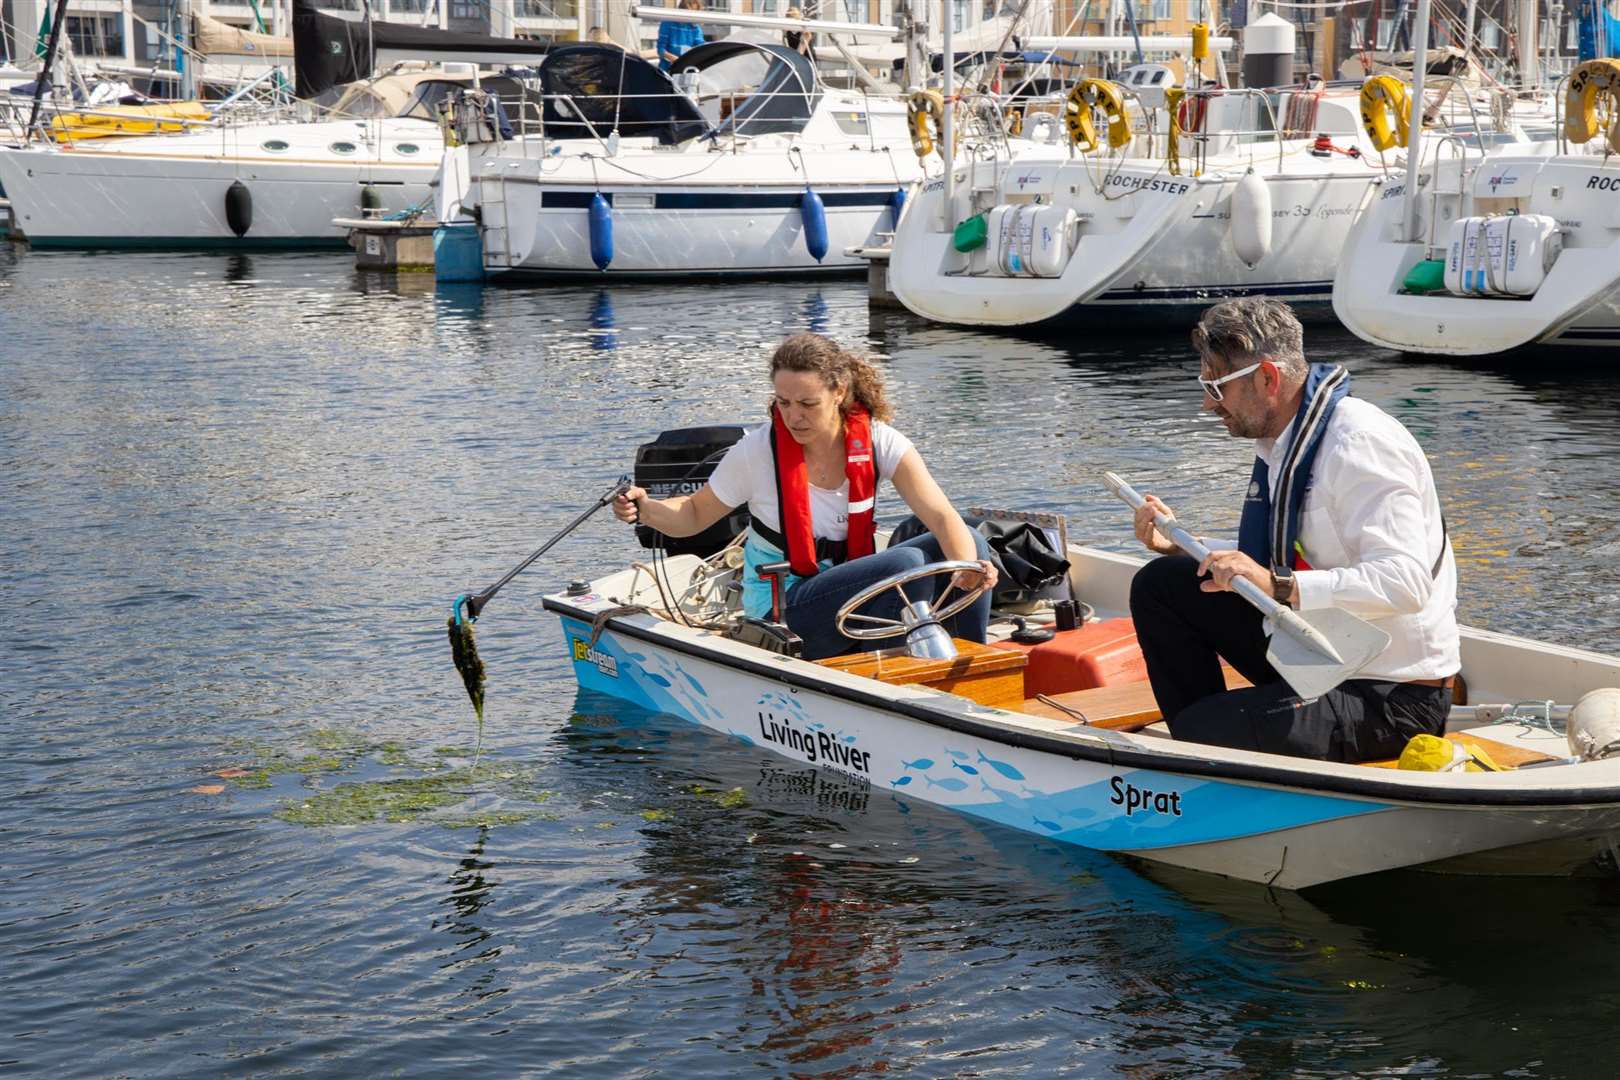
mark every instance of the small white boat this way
{"type": "Point", "coordinates": [962, 734]}
{"type": "Point", "coordinates": [755, 168]}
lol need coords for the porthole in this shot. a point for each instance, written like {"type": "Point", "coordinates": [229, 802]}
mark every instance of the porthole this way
{"type": "Point", "coordinates": [342, 148]}
{"type": "Point", "coordinates": [407, 148]}
{"type": "Point", "coordinates": [275, 146]}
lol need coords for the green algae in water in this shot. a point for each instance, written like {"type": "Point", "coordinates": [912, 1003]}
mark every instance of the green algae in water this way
{"type": "Point", "coordinates": [407, 800]}
{"type": "Point", "coordinates": [397, 801]}
{"type": "Point", "coordinates": [281, 765]}
{"type": "Point", "coordinates": [464, 652]}
{"type": "Point", "coordinates": [729, 799]}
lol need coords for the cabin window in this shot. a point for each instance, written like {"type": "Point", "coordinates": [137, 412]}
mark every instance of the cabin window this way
{"type": "Point", "coordinates": [852, 123]}
{"type": "Point", "coordinates": [407, 148]}
{"type": "Point", "coordinates": [275, 146]}
{"type": "Point", "coordinates": [342, 148]}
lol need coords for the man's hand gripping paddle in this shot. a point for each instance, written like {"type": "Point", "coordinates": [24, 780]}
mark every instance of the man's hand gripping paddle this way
{"type": "Point", "coordinates": [464, 611]}
{"type": "Point", "coordinates": [1313, 651]}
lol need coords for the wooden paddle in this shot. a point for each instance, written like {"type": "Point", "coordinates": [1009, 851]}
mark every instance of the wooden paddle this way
{"type": "Point", "coordinates": [1313, 651]}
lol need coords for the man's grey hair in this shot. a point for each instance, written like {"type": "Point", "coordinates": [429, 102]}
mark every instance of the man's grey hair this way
{"type": "Point", "coordinates": [1236, 333]}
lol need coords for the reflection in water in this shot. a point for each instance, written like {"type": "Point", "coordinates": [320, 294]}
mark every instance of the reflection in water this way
{"type": "Point", "coordinates": [602, 321]}
{"type": "Point", "coordinates": [470, 892]}
{"type": "Point", "coordinates": [817, 316]}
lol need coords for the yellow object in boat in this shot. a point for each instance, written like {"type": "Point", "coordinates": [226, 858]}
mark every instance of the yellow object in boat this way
{"type": "Point", "coordinates": [1591, 99]}
{"type": "Point", "coordinates": [1099, 94]}
{"type": "Point", "coordinates": [1386, 111]}
{"type": "Point", "coordinates": [126, 120]}
{"type": "Point", "coordinates": [1431, 753]}
{"type": "Point", "coordinates": [922, 108]}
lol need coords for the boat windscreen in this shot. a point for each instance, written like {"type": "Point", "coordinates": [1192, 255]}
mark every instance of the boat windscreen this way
{"type": "Point", "coordinates": [517, 100]}
{"type": "Point", "coordinates": [597, 88]}
{"type": "Point", "coordinates": [786, 93]}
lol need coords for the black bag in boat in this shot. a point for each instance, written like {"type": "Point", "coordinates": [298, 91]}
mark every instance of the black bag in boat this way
{"type": "Point", "coordinates": [1026, 561]}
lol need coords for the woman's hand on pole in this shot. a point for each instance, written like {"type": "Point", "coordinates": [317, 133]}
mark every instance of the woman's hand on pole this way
{"type": "Point", "coordinates": [627, 507]}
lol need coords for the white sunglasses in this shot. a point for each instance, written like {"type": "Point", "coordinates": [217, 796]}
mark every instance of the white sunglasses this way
{"type": "Point", "coordinates": [1212, 387]}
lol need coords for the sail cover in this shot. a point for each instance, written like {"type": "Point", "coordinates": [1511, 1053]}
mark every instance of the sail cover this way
{"type": "Point", "coordinates": [330, 50]}
{"type": "Point", "coordinates": [608, 87]}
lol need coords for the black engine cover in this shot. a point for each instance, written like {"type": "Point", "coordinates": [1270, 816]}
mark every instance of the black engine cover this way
{"type": "Point", "coordinates": [679, 462]}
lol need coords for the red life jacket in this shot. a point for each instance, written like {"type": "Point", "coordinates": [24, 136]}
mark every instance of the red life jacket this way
{"type": "Point", "coordinates": [793, 491]}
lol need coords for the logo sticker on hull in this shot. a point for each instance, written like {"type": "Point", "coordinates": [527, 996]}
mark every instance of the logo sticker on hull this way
{"type": "Point", "coordinates": [606, 663]}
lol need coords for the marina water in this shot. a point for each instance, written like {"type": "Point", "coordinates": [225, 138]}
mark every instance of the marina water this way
{"type": "Point", "coordinates": [248, 828]}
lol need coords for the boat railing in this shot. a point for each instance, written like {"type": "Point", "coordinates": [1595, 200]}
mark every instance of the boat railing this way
{"type": "Point", "coordinates": [528, 122]}
{"type": "Point", "coordinates": [1158, 140]}
{"type": "Point", "coordinates": [1558, 113]}
{"type": "Point", "coordinates": [1458, 146]}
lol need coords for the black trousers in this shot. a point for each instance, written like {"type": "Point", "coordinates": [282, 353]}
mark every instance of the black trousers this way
{"type": "Point", "coordinates": [1185, 632]}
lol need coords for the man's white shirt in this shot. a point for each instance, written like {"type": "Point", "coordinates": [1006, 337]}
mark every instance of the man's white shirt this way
{"type": "Point", "coordinates": [1372, 530]}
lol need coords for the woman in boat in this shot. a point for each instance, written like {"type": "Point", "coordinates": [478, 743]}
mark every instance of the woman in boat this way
{"type": "Point", "coordinates": [818, 464]}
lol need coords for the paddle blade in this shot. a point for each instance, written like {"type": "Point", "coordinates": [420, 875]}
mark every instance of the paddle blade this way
{"type": "Point", "coordinates": [1306, 667]}
{"type": "Point", "coordinates": [465, 654]}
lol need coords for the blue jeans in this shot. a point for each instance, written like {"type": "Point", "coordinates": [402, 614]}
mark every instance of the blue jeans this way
{"type": "Point", "coordinates": [813, 602]}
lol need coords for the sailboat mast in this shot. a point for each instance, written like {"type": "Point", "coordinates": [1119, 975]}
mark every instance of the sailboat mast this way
{"type": "Point", "coordinates": [948, 129]}
{"type": "Point", "coordinates": [1414, 138]}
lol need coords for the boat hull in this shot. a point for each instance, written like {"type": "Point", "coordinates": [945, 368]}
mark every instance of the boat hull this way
{"type": "Point", "coordinates": [1136, 795]}
{"type": "Point", "coordinates": [147, 193]}
{"type": "Point", "coordinates": [1577, 305]}
{"type": "Point", "coordinates": [1151, 250]}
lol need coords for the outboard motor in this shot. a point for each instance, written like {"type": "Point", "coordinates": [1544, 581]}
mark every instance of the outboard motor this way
{"type": "Point", "coordinates": [678, 462]}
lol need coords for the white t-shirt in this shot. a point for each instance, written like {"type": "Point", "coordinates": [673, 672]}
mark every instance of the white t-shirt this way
{"type": "Point", "coordinates": [747, 476]}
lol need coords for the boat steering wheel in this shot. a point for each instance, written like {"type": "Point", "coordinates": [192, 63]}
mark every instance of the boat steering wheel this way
{"type": "Point", "coordinates": [887, 628]}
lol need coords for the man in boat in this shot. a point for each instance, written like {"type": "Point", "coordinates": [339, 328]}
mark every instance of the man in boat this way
{"type": "Point", "coordinates": [1341, 511]}
{"type": "Point", "coordinates": [809, 479]}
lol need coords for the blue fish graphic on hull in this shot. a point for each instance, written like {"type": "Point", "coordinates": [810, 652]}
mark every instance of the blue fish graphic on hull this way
{"type": "Point", "coordinates": [922, 764]}
{"type": "Point", "coordinates": [1001, 767]}
{"type": "Point", "coordinates": [950, 783]}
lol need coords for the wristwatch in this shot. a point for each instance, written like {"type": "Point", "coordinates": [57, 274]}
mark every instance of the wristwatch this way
{"type": "Point", "coordinates": [1282, 586]}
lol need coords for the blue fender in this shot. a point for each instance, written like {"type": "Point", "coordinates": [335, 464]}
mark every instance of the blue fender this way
{"type": "Point", "coordinates": [601, 231]}
{"type": "Point", "coordinates": [815, 224]}
{"type": "Point", "coordinates": [897, 203]}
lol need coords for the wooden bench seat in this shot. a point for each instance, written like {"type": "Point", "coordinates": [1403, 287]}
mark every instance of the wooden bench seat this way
{"type": "Point", "coordinates": [1121, 707]}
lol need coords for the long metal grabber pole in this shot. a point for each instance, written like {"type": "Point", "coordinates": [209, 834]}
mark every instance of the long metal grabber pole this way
{"type": "Point", "coordinates": [475, 602]}
{"type": "Point", "coordinates": [1315, 650]}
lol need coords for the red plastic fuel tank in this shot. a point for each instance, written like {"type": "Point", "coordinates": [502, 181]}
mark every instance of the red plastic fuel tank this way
{"type": "Point", "coordinates": [1103, 653]}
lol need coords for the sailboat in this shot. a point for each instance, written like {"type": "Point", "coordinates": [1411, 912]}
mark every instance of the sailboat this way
{"type": "Point", "coordinates": [265, 184]}
{"type": "Point", "coordinates": [1475, 255]}
{"type": "Point", "coordinates": [739, 161]}
{"type": "Point", "coordinates": [1148, 198]}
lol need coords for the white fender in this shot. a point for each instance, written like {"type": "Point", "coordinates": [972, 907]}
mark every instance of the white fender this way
{"type": "Point", "coordinates": [451, 184]}
{"type": "Point", "coordinates": [1594, 725]}
{"type": "Point", "coordinates": [1251, 218]}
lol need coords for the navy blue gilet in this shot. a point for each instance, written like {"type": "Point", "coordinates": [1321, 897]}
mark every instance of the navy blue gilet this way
{"type": "Point", "coordinates": [1269, 533]}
